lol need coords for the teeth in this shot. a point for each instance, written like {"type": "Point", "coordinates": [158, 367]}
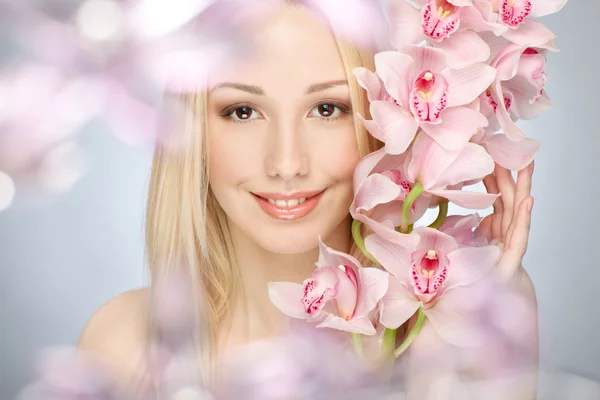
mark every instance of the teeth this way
{"type": "Point", "coordinates": [287, 204]}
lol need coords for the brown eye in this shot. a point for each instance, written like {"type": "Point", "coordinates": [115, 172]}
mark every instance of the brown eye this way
{"type": "Point", "coordinates": [327, 111]}
{"type": "Point", "coordinates": [242, 114]}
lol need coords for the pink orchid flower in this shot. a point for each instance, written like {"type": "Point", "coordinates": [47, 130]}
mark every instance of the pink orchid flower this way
{"type": "Point", "coordinates": [519, 89]}
{"type": "Point", "coordinates": [435, 275]}
{"type": "Point", "coordinates": [341, 293]}
{"type": "Point", "coordinates": [380, 188]}
{"type": "Point", "coordinates": [428, 95]}
{"type": "Point", "coordinates": [507, 153]}
{"type": "Point", "coordinates": [516, 15]}
{"type": "Point", "coordinates": [451, 25]}
{"type": "Point", "coordinates": [438, 170]}
{"type": "Point", "coordinates": [460, 227]}
{"type": "Point", "coordinates": [375, 89]}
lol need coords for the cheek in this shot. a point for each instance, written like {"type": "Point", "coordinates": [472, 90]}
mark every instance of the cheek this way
{"type": "Point", "coordinates": [338, 153]}
{"type": "Point", "coordinates": [231, 157]}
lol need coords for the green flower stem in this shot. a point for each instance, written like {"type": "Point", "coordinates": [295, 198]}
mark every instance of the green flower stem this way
{"type": "Point", "coordinates": [356, 224]}
{"type": "Point", "coordinates": [387, 353]}
{"type": "Point", "coordinates": [412, 335]}
{"type": "Point", "coordinates": [357, 345]}
{"type": "Point", "coordinates": [388, 344]}
{"type": "Point", "coordinates": [441, 216]}
{"type": "Point", "coordinates": [408, 202]}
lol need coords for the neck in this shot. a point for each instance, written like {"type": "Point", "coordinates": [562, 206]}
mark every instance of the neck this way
{"type": "Point", "coordinates": [255, 317]}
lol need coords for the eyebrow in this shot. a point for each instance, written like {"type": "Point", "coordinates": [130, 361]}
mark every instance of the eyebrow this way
{"type": "Point", "coordinates": [257, 90]}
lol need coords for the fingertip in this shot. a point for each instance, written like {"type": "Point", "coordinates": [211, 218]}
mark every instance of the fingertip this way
{"type": "Point", "coordinates": [530, 203]}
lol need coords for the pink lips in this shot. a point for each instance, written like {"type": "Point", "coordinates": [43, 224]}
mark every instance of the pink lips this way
{"type": "Point", "coordinates": [288, 213]}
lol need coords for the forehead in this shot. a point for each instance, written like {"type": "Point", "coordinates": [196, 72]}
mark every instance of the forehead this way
{"type": "Point", "coordinates": [291, 48]}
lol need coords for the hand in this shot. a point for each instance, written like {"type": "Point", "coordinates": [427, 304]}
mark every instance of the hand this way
{"type": "Point", "coordinates": [508, 226]}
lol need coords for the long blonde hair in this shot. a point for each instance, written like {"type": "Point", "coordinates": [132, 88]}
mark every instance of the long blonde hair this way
{"type": "Point", "coordinates": [185, 225]}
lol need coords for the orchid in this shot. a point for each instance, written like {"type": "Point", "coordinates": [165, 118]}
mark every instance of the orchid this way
{"type": "Point", "coordinates": [427, 95]}
{"type": "Point", "coordinates": [435, 169]}
{"type": "Point", "coordinates": [519, 89]}
{"type": "Point", "coordinates": [432, 275]}
{"type": "Point", "coordinates": [341, 293]}
{"type": "Point", "coordinates": [516, 15]}
{"type": "Point", "coordinates": [451, 25]}
{"type": "Point", "coordinates": [381, 187]}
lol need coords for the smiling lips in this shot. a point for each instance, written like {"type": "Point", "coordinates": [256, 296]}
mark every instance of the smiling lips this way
{"type": "Point", "coordinates": [290, 207]}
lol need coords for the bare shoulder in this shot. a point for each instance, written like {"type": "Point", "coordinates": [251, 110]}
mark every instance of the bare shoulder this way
{"type": "Point", "coordinates": [116, 334]}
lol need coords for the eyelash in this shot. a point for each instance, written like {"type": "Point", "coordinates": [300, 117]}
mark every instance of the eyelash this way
{"type": "Point", "coordinates": [344, 111]}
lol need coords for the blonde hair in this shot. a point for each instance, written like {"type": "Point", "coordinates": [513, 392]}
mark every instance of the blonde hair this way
{"type": "Point", "coordinates": [185, 225]}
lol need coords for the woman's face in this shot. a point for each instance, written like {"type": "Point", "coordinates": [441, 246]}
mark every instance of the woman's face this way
{"type": "Point", "coordinates": [282, 141]}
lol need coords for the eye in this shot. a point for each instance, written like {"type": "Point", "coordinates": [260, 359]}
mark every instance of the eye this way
{"type": "Point", "coordinates": [328, 111]}
{"type": "Point", "coordinates": [241, 114]}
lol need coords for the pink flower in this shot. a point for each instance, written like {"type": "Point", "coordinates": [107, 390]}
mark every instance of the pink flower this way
{"type": "Point", "coordinates": [435, 275]}
{"type": "Point", "coordinates": [341, 293]}
{"type": "Point", "coordinates": [505, 152]}
{"type": "Point", "coordinates": [437, 170]}
{"type": "Point", "coordinates": [460, 227]}
{"type": "Point", "coordinates": [380, 188]}
{"type": "Point", "coordinates": [518, 91]}
{"type": "Point", "coordinates": [428, 95]}
{"type": "Point", "coordinates": [515, 14]}
{"type": "Point", "coordinates": [437, 20]}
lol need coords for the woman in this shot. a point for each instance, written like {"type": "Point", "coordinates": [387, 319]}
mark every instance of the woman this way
{"type": "Point", "coordinates": [267, 168]}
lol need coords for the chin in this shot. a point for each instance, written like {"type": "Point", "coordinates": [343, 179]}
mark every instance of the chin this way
{"type": "Point", "coordinates": [298, 236]}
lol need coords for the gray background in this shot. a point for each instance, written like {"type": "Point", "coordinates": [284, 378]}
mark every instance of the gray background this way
{"type": "Point", "coordinates": [62, 256]}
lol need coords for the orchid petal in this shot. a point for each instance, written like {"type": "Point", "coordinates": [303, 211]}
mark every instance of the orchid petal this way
{"type": "Point", "coordinates": [458, 125]}
{"type": "Point", "coordinates": [530, 33]}
{"type": "Point", "coordinates": [373, 285]}
{"type": "Point", "coordinates": [470, 264]}
{"type": "Point", "coordinates": [526, 110]}
{"type": "Point", "coordinates": [432, 239]}
{"type": "Point", "coordinates": [393, 68]}
{"type": "Point", "coordinates": [475, 18]}
{"type": "Point", "coordinates": [471, 200]}
{"type": "Point", "coordinates": [464, 48]}
{"type": "Point", "coordinates": [287, 297]}
{"type": "Point", "coordinates": [527, 98]}
{"type": "Point", "coordinates": [394, 257]}
{"type": "Point", "coordinates": [399, 128]}
{"type": "Point", "coordinates": [512, 131]}
{"type": "Point", "coordinates": [472, 163]}
{"type": "Point", "coordinates": [347, 291]}
{"type": "Point", "coordinates": [376, 189]}
{"type": "Point", "coordinates": [365, 166]}
{"type": "Point", "coordinates": [384, 229]}
{"type": "Point", "coordinates": [398, 304]}
{"type": "Point", "coordinates": [373, 129]}
{"type": "Point", "coordinates": [427, 161]}
{"type": "Point", "coordinates": [361, 326]}
{"type": "Point", "coordinates": [426, 59]}
{"type": "Point", "coordinates": [370, 82]}
{"type": "Point", "coordinates": [404, 22]}
{"type": "Point", "coordinates": [456, 320]}
{"type": "Point", "coordinates": [542, 8]}
{"type": "Point", "coordinates": [466, 84]}
{"type": "Point", "coordinates": [512, 155]}
{"type": "Point", "coordinates": [332, 258]}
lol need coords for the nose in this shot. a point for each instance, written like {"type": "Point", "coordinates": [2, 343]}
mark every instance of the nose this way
{"type": "Point", "coordinates": [287, 157]}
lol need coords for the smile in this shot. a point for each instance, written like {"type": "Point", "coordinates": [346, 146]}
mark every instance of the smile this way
{"type": "Point", "coordinates": [288, 207]}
